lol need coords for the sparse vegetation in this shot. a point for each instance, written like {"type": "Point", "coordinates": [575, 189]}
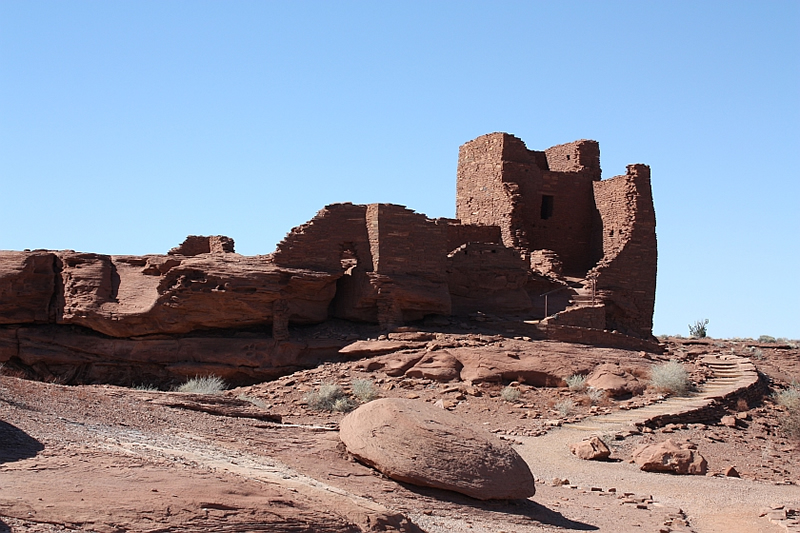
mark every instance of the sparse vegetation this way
{"type": "Point", "coordinates": [255, 401]}
{"type": "Point", "coordinates": [698, 330]}
{"type": "Point", "coordinates": [364, 390]}
{"type": "Point", "coordinates": [767, 339]}
{"type": "Point", "coordinates": [204, 385]}
{"type": "Point", "coordinates": [595, 395]}
{"type": "Point", "coordinates": [510, 394]}
{"type": "Point", "coordinates": [330, 397]}
{"type": "Point", "coordinates": [576, 382]}
{"type": "Point", "coordinates": [145, 388]}
{"type": "Point", "coordinates": [565, 407]}
{"type": "Point", "coordinates": [790, 399]}
{"type": "Point", "coordinates": [671, 378]}
{"type": "Point", "coordinates": [756, 353]}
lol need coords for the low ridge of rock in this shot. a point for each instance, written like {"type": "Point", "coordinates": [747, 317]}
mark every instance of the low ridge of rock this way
{"type": "Point", "coordinates": [413, 442]}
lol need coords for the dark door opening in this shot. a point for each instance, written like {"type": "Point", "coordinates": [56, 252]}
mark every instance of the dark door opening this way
{"type": "Point", "coordinates": [547, 207]}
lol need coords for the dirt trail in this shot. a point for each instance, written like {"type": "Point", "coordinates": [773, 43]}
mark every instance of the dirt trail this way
{"type": "Point", "coordinates": [711, 503]}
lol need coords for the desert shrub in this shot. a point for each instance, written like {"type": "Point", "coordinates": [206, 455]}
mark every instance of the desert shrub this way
{"type": "Point", "coordinates": [343, 405]}
{"type": "Point", "coordinates": [565, 407]}
{"type": "Point", "coordinates": [790, 399]}
{"type": "Point", "coordinates": [698, 330]}
{"type": "Point", "coordinates": [756, 353]}
{"type": "Point", "coordinates": [595, 395]}
{"type": "Point", "coordinates": [510, 394]}
{"type": "Point", "coordinates": [576, 382]}
{"type": "Point", "coordinates": [670, 378]}
{"type": "Point", "coordinates": [204, 385]}
{"type": "Point", "coordinates": [146, 388]}
{"type": "Point", "coordinates": [255, 401]}
{"type": "Point", "coordinates": [364, 390]}
{"type": "Point", "coordinates": [330, 397]}
{"type": "Point", "coordinates": [767, 339]}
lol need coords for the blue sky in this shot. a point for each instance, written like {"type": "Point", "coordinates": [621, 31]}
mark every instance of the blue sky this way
{"type": "Point", "coordinates": [125, 126]}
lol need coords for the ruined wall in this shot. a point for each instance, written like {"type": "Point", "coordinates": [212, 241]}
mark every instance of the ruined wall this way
{"type": "Point", "coordinates": [482, 197]}
{"type": "Point", "coordinates": [409, 254]}
{"type": "Point", "coordinates": [198, 244]}
{"type": "Point", "coordinates": [539, 199]}
{"type": "Point", "coordinates": [489, 278]}
{"type": "Point", "coordinates": [458, 234]}
{"type": "Point", "coordinates": [326, 239]}
{"type": "Point", "coordinates": [626, 276]}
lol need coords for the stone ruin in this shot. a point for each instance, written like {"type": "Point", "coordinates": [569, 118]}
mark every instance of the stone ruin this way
{"type": "Point", "coordinates": [540, 242]}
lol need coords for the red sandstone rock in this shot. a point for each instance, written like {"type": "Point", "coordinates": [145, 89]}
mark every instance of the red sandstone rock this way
{"type": "Point", "coordinates": [196, 245]}
{"type": "Point", "coordinates": [730, 472]}
{"type": "Point", "coordinates": [27, 287]}
{"type": "Point", "coordinates": [387, 264]}
{"type": "Point", "coordinates": [118, 296]}
{"type": "Point", "coordinates": [84, 357]}
{"type": "Point", "coordinates": [440, 365]}
{"type": "Point", "coordinates": [729, 421]}
{"type": "Point", "coordinates": [591, 449]}
{"type": "Point", "coordinates": [413, 442]}
{"type": "Point", "coordinates": [373, 348]}
{"type": "Point", "coordinates": [614, 380]}
{"type": "Point", "coordinates": [670, 457]}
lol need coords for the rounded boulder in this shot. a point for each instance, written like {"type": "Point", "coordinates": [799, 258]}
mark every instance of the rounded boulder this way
{"type": "Point", "coordinates": [414, 442]}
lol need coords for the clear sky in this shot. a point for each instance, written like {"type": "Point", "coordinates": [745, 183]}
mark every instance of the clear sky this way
{"type": "Point", "coordinates": [127, 125]}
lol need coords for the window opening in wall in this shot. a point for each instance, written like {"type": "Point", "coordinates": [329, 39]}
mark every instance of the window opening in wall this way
{"type": "Point", "coordinates": [547, 207]}
{"type": "Point", "coordinates": [348, 259]}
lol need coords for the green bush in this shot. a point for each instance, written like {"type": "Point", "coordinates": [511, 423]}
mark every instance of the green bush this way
{"type": "Point", "coordinates": [510, 394]}
{"type": "Point", "coordinates": [698, 330]}
{"type": "Point", "coordinates": [576, 382]}
{"type": "Point", "coordinates": [767, 339]}
{"type": "Point", "coordinates": [671, 378]}
{"type": "Point", "coordinates": [204, 385]}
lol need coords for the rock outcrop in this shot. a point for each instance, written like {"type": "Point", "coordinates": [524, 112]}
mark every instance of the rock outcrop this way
{"type": "Point", "coordinates": [591, 449]}
{"type": "Point", "coordinates": [414, 442]}
{"type": "Point", "coordinates": [514, 254]}
{"type": "Point", "coordinates": [670, 457]}
{"type": "Point", "coordinates": [615, 381]}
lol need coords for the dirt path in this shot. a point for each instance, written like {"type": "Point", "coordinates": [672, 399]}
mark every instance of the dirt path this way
{"type": "Point", "coordinates": [711, 503]}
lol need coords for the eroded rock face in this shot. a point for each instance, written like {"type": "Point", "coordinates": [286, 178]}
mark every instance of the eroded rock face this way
{"type": "Point", "coordinates": [671, 457]}
{"type": "Point", "coordinates": [80, 356]}
{"type": "Point", "coordinates": [413, 442]}
{"type": "Point", "coordinates": [130, 296]}
{"type": "Point", "coordinates": [27, 287]}
{"type": "Point", "coordinates": [591, 449]}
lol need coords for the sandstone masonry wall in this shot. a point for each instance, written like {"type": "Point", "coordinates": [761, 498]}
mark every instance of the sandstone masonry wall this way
{"type": "Point", "coordinates": [627, 273]}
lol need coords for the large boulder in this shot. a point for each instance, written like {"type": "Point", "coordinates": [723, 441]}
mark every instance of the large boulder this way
{"type": "Point", "coordinates": [614, 380]}
{"type": "Point", "coordinates": [591, 449]}
{"type": "Point", "coordinates": [671, 457]}
{"type": "Point", "coordinates": [413, 442]}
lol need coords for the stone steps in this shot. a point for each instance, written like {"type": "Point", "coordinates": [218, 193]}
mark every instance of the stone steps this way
{"type": "Point", "coordinates": [731, 375]}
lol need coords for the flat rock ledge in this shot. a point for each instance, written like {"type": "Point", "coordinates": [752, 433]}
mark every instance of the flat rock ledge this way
{"type": "Point", "coordinates": [413, 442]}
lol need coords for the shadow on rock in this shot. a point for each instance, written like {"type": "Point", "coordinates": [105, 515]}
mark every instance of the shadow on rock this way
{"type": "Point", "coordinates": [522, 508]}
{"type": "Point", "coordinates": [15, 444]}
{"type": "Point", "coordinates": [4, 528]}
